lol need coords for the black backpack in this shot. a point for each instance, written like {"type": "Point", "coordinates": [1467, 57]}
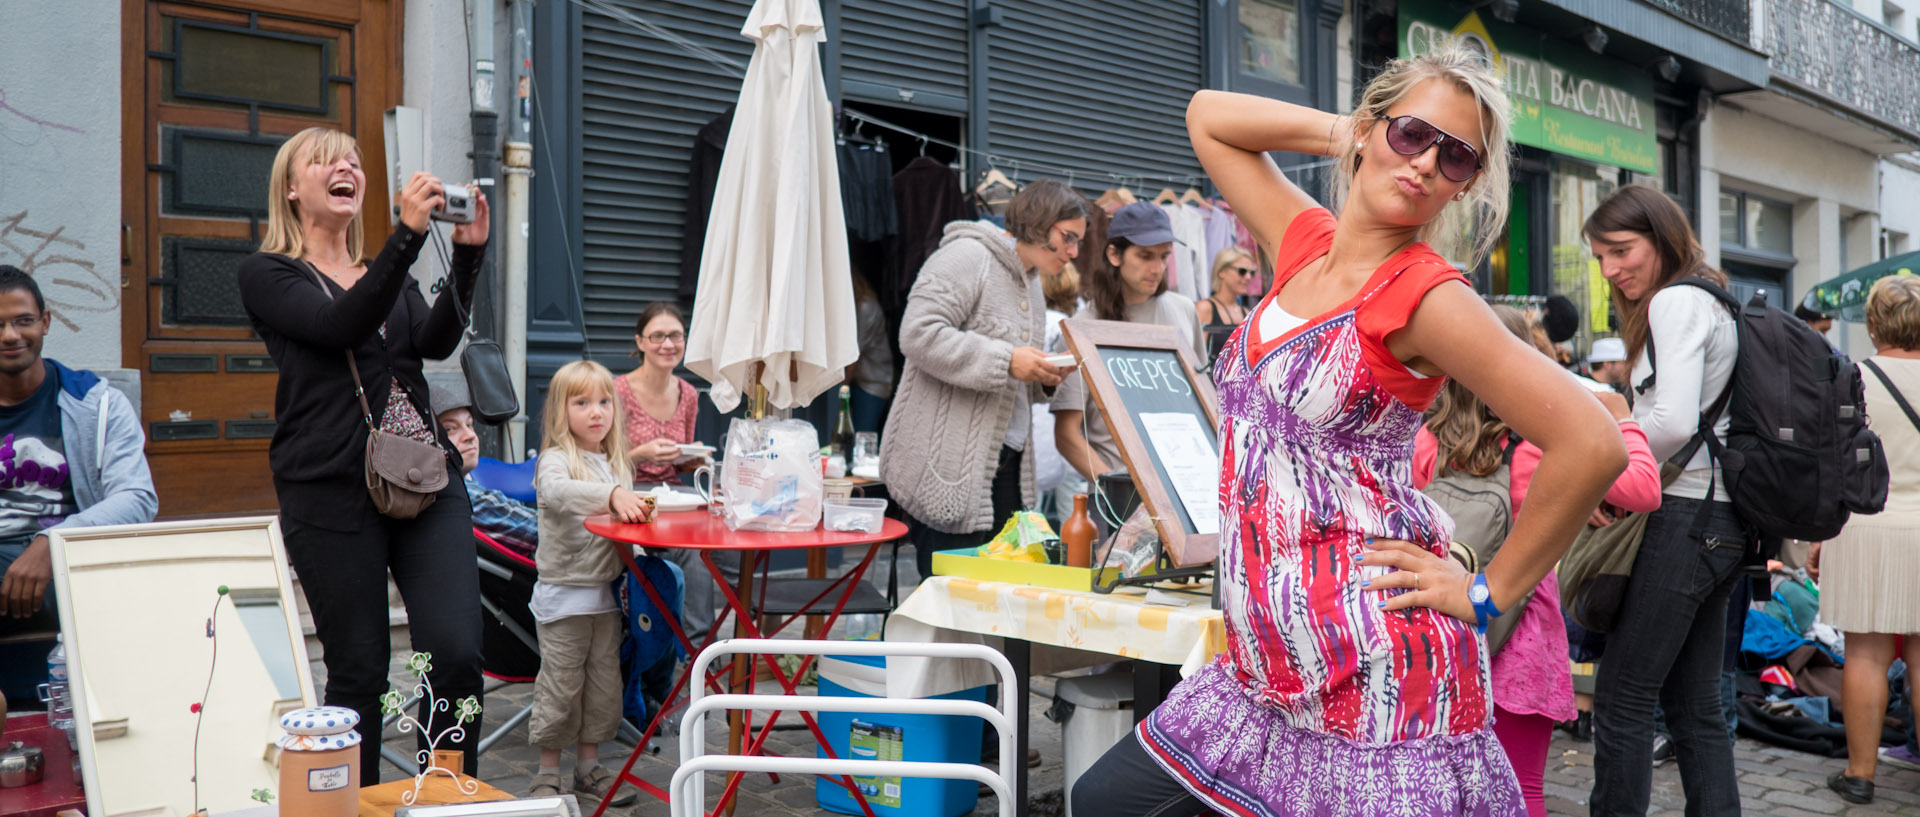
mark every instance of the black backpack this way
{"type": "Point", "coordinates": [1799, 458]}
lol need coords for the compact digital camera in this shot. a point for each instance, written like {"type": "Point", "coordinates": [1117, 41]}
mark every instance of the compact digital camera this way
{"type": "Point", "coordinates": [459, 206]}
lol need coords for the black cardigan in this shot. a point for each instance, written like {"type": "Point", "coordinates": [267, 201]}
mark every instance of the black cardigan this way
{"type": "Point", "coordinates": [319, 440]}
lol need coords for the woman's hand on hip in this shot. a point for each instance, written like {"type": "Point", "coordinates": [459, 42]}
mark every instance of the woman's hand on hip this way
{"type": "Point", "coordinates": [475, 232]}
{"type": "Point", "coordinates": [1430, 581]}
{"type": "Point", "coordinates": [422, 195]}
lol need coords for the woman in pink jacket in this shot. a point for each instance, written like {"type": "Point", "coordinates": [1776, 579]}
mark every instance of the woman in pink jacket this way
{"type": "Point", "coordinates": [1532, 683]}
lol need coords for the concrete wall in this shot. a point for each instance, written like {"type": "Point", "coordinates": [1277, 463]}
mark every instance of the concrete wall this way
{"type": "Point", "coordinates": [60, 169]}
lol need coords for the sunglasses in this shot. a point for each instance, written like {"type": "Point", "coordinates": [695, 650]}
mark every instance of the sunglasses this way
{"type": "Point", "coordinates": [1245, 271]}
{"type": "Point", "coordinates": [1411, 136]}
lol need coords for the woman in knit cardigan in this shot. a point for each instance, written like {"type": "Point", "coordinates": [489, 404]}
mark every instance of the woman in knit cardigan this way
{"type": "Point", "coordinates": [954, 453]}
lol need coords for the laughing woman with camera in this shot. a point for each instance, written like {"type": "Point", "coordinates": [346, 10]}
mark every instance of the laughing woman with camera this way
{"type": "Point", "coordinates": [315, 297]}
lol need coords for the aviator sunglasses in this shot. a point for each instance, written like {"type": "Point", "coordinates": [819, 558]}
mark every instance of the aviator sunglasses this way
{"type": "Point", "coordinates": [1411, 136]}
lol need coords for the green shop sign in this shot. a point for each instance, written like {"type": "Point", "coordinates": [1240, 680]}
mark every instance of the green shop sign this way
{"type": "Point", "coordinates": [1571, 103]}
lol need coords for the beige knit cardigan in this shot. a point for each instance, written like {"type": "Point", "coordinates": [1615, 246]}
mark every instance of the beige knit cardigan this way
{"type": "Point", "coordinates": [973, 303]}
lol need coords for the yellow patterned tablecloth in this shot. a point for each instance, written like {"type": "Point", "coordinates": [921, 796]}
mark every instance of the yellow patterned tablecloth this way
{"type": "Point", "coordinates": [1068, 630]}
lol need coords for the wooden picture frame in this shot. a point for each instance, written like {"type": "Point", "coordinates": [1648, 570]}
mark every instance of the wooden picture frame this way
{"type": "Point", "coordinates": [1090, 340]}
{"type": "Point", "coordinates": [135, 604]}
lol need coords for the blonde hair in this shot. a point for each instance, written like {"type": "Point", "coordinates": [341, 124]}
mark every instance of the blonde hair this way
{"type": "Point", "coordinates": [310, 146]}
{"type": "Point", "coordinates": [1225, 259]}
{"type": "Point", "coordinates": [574, 379]}
{"type": "Point", "coordinates": [1893, 312]}
{"type": "Point", "coordinates": [1487, 201]}
{"type": "Point", "coordinates": [1469, 437]}
{"type": "Point", "coordinates": [1062, 291]}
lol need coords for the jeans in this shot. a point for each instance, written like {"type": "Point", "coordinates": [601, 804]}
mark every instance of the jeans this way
{"type": "Point", "coordinates": [1006, 499]}
{"type": "Point", "coordinates": [1127, 782]}
{"type": "Point", "coordinates": [343, 571]}
{"type": "Point", "coordinates": [1668, 647]}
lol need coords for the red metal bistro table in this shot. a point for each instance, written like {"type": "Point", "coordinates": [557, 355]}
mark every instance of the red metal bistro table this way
{"type": "Point", "coordinates": [702, 531]}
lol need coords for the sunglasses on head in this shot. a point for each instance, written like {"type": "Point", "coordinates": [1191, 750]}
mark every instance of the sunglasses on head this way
{"type": "Point", "coordinates": [1411, 136]}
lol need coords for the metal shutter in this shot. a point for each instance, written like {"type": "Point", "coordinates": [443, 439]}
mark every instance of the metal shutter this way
{"type": "Point", "coordinates": [641, 101]}
{"type": "Point", "coordinates": [1096, 86]}
{"type": "Point", "coordinates": [905, 52]}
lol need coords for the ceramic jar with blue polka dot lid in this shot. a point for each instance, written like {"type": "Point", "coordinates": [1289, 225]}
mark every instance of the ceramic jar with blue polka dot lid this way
{"type": "Point", "coordinates": [320, 762]}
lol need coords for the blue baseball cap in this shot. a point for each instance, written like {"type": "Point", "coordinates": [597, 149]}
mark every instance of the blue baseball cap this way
{"type": "Point", "coordinates": [1143, 223]}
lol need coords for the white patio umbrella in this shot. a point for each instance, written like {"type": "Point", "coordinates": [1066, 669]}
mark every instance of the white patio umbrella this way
{"type": "Point", "coordinates": [775, 284]}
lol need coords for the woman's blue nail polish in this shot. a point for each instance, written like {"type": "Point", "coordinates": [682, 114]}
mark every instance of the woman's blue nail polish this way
{"type": "Point", "coordinates": [1382, 605]}
{"type": "Point", "coordinates": [1369, 541]}
{"type": "Point", "coordinates": [1365, 582]}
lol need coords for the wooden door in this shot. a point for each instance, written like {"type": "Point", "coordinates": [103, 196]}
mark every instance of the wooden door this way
{"type": "Point", "coordinates": [210, 91]}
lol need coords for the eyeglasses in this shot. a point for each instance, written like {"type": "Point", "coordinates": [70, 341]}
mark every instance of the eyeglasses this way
{"type": "Point", "coordinates": [663, 338]}
{"type": "Point", "coordinates": [1070, 236]}
{"type": "Point", "coordinates": [1411, 136]}
{"type": "Point", "coordinates": [1245, 271]}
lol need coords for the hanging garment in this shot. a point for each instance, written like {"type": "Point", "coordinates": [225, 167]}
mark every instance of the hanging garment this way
{"type": "Point", "coordinates": [926, 195]}
{"type": "Point", "coordinates": [709, 146]}
{"type": "Point", "coordinates": [866, 191]}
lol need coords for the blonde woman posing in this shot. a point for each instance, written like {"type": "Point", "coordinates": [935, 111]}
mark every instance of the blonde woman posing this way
{"type": "Point", "coordinates": [1355, 680]}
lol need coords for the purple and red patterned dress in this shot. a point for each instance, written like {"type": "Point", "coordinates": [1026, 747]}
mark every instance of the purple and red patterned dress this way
{"type": "Point", "coordinates": [1324, 704]}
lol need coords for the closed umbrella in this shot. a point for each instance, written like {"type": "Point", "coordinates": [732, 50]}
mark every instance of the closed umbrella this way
{"type": "Point", "coordinates": [775, 286]}
{"type": "Point", "coordinates": [1846, 295]}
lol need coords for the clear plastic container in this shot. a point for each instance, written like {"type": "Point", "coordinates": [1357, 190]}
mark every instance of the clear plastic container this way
{"type": "Point", "coordinates": [857, 514]}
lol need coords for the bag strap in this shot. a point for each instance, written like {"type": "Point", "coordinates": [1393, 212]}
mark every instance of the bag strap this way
{"type": "Point", "coordinates": [1897, 396]}
{"type": "Point", "coordinates": [359, 390]}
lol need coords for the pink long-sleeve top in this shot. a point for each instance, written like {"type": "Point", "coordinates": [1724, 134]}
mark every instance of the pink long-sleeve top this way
{"type": "Point", "coordinates": [1530, 674]}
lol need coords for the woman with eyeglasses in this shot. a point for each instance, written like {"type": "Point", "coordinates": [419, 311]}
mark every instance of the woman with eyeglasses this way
{"type": "Point", "coordinates": [1221, 312]}
{"type": "Point", "coordinates": [1355, 679]}
{"type": "Point", "coordinates": [657, 405]}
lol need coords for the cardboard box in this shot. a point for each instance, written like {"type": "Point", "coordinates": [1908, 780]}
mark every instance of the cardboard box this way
{"type": "Point", "coordinates": [960, 563]}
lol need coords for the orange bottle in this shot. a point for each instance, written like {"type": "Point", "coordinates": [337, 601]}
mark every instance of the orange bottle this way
{"type": "Point", "coordinates": [1078, 533]}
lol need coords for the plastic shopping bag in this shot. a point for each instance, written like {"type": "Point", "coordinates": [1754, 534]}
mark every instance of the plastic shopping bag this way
{"type": "Point", "coordinates": [772, 477]}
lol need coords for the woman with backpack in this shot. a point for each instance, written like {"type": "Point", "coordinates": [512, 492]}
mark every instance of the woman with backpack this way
{"type": "Point", "coordinates": [1532, 684]}
{"type": "Point", "coordinates": [1668, 641]}
{"type": "Point", "coordinates": [1867, 572]}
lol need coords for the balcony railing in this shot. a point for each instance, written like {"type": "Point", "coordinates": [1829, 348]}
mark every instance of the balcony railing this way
{"type": "Point", "coordinates": [1732, 19]}
{"type": "Point", "coordinates": [1822, 46]}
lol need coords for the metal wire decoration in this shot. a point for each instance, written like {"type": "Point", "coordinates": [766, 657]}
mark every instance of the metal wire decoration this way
{"type": "Point", "coordinates": [464, 711]}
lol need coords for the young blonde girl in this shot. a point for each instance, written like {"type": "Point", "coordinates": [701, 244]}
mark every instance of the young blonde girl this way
{"type": "Point", "coordinates": [576, 698]}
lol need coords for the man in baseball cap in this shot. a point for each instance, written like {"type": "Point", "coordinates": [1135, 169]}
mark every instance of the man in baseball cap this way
{"type": "Point", "coordinates": [507, 520]}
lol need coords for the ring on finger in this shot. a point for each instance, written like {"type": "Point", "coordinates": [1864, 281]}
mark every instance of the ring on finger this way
{"type": "Point", "coordinates": [1416, 581]}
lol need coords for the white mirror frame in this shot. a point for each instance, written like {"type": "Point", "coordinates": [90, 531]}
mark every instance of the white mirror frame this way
{"type": "Point", "coordinates": [114, 700]}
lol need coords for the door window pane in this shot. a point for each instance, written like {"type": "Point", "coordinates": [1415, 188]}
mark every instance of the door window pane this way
{"type": "Point", "coordinates": [216, 174]}
{"type": "Point", "coordinates": [1270, 40]}
{"type": "Point", "coordinates": [1578, 188]}
{"type": "Point", "coordinates": [274, 70]}
{"type": "Point", "coordinates": [200, 281]}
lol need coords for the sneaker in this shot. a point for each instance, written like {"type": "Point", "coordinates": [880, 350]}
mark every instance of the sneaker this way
{"type": "Point", "coordinates": [596, 783]}
{"type": "Point", "coordinates": [544, 785]}
{"type": "Point", "coordinates": [1851, 789]}
{"type": "Point", "coordinates": [1900, 757]}
{"type": "Point", "coordinates": [1662, 750]}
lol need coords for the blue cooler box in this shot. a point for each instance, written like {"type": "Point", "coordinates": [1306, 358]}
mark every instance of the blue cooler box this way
{"type": "Point", "coordinates": [913, 738]}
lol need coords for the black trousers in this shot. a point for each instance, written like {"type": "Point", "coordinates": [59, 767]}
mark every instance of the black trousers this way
{"type": "Point", "coordinates": [1005, 498]}
{"type": "Point", "coordinates": [1126, 782]}
{"type": "Point", "coordinates": [344, 558]}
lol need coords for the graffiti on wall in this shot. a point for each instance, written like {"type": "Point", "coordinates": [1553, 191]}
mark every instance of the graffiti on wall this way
{"type": "Point", "coordinates": [70, 283]}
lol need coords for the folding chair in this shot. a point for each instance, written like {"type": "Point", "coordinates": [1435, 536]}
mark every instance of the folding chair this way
{"type": "Point", "coordinates": [688, 789]}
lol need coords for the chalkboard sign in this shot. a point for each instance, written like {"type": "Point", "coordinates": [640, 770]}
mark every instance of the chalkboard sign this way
{"type": "Point", "coordinates": [1165, 420]}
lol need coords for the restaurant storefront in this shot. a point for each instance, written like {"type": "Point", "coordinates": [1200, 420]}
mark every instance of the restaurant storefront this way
{"type": "Point", "coordinates": [1583, 124]}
